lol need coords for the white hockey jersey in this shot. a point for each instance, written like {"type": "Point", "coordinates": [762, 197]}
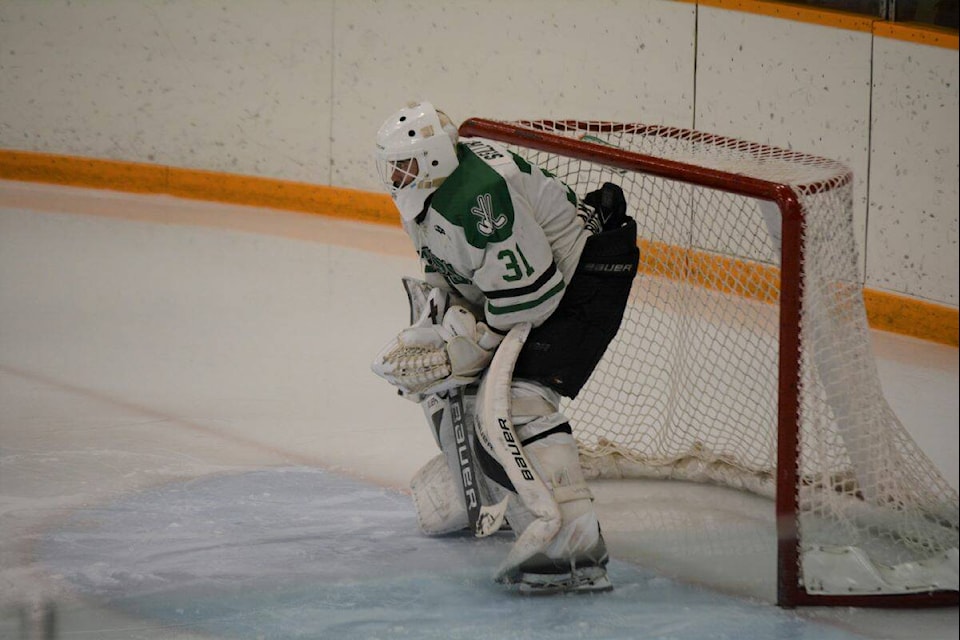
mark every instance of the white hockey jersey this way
{"type": "Point", "coordinates": [501, 233]}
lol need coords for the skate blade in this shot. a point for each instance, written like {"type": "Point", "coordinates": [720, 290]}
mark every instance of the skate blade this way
{"type": "Point", "coordinates": [544, 586]}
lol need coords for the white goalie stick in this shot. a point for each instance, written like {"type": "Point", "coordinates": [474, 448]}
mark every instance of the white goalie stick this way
{"type": "Point", "coordinates": [484, 517]}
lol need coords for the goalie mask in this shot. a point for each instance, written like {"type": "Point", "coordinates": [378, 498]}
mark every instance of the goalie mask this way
{"type": "Point", "coordinates": [416, 151]}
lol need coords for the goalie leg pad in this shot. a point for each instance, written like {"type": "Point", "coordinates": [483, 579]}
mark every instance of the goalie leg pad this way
{"type": "Point", "coordinates": [438, 499]}
{"type": "Point", "coordinates": [476, 495]}
{"type": "Point", "coordinates": [529, 401]}
{"type": "Point", "coordinates": [576, 555]}
{"type": "Point", "coordinates": [559, 534]}
{"type": "Point", "coordinates": [496, 434]}
{"type": "Point", "coordinates": [561, 537]}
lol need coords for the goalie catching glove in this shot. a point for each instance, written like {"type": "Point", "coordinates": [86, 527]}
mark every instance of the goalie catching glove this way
{"type": "Point", "coordinates": [437, 357]}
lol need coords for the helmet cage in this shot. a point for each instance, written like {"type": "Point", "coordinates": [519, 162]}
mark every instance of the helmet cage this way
{"type": "Point", "coordinates": [416, 152]}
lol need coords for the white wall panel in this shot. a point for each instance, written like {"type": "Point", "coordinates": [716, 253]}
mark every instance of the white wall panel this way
{"type": "Point", "coordinates": [236, 86]}
{"type": "Point", "coordinates": [295, 89]}
{"type": "Point", "coordinates": [790, 84]}
{"type": "Point", "coordinates": [912, 236]}
{"type": "Point", "coordinates": [506, 59]}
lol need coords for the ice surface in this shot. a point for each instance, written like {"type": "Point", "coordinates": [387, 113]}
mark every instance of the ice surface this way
{"type": "Point", "coordinates": [294, 552]}
{"type": "Point", "coordinates": [192, 446]}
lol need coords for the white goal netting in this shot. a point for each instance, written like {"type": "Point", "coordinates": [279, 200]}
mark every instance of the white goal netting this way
{"type": "Point", "coordinates": [695, 384]}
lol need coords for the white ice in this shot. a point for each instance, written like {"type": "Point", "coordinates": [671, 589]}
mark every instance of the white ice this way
{"type": "Point", "coordinates": [192, 446]}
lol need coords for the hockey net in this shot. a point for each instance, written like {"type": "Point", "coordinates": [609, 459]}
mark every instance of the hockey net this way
{"type": "Point", "coordinates": [744, 358]}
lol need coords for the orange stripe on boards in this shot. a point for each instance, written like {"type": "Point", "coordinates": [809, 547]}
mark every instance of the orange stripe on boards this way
{"type": "Point", "coordinates": [761, 282]}
{"type": "Point", "coordinates": [720, 273]}
{"type": "Point", "coordinates": [197, 184]}
{"type": "Point", "coordinates": [798, 13]}
{"type": "Point", "coordinates": [918, 34]}
{"type": "Point", "coordinates": [907, 31]}
{"type": "Point", "coordinates": [82, 172]}
{"type": "Point", "coordinates": [281, 194]}
{"type": "Point", "coordinates": [908, 316]}
{"type": "Point", "coordinates": [888, 312]}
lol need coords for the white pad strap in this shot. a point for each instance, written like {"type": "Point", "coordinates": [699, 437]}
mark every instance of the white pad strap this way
{"type": "Point", "coordinates": [496, 430]}
{"type": "Point", "coordinates": [531, 406]}
{"type": "Point", "coordinates": [572, 493]}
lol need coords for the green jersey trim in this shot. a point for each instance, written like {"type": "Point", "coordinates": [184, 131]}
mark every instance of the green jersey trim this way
{"type": "Point", "coordinates": [522, 164]}
{"type": "Point", "coordinates": [526, 167]}
{"type": "Point", "coordinates": [523, 306]}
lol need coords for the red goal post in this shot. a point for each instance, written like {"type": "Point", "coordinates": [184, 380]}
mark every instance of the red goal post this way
{"type": "Point", "coordinates": [744, 357]}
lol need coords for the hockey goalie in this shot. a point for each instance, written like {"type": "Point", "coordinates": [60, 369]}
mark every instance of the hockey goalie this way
{"type": "Point", "coordinates": [524, 287]}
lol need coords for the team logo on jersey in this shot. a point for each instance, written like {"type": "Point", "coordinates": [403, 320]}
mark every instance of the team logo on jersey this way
{"type": "Point", "coordinates": [442, 267]}
{"type": "Point", "coordinates": [488, 223]}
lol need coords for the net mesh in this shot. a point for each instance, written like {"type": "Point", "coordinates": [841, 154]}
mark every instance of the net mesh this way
{"type": "Point", "coordinates": [689, 388]}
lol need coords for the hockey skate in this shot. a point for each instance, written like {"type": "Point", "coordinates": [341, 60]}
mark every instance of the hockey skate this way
{"type": "Point", "coordinates": [541, 575]}
{"type": "Point", "coordinates": [578, 580]}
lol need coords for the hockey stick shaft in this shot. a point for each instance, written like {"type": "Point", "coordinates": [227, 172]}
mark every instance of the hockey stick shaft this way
{"type": "Point", "coordinates": [483, 519]}
{"type": "Point", "coordinates": [465, 457]}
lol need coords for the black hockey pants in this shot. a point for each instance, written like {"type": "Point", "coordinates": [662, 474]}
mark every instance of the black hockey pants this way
{"type": "Point", "coordinates": [563, 351]}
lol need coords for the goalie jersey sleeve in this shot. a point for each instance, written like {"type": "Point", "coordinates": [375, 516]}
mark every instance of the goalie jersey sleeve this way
{"type": "Point", "coordinates": [501, 233]}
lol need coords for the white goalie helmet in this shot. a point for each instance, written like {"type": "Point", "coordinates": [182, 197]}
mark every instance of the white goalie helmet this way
{"type": "Point", "coordinates": [416, 151]}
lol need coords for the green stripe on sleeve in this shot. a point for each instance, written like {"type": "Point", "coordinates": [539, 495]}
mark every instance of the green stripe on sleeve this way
{"type": "Point", "coordinates": [523, 306]}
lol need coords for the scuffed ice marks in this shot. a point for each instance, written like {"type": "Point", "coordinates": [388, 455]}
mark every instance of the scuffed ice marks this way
{"type": "Point", "coordinates": [302, 553]}
{"type": "Point", "coordinates": [280, 523]}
